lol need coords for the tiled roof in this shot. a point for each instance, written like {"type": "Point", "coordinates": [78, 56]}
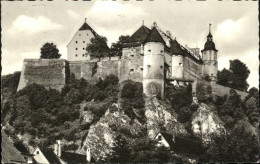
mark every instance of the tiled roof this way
{"type": "Point", "coordinates": [154, 36]}
{"type": "Point", "coordinates": [73, 158]}
{"type": "Point", "coordinates": [9, 152]}
{"type": "Point", "coordinates": [51, 156]}
{"type": "Point", "coordinates": [140, 35]}
{"type": "Point", "coordinates": [85, 26]}
{"type": "Point", "coordinates": [175, 48]}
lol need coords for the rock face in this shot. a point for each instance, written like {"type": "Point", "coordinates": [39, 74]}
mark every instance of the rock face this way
{"type": "Point", "coordinates": [205, 122]}
{"type": "Point", "coordinates": [161, 117]}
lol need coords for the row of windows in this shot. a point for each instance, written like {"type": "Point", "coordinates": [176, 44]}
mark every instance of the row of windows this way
{"type": "Point", "coordinates": [77, 41]}
{"type": "Point", "coordinates": [82, 55]}
{"type": "Point", "coordinates": [77, 48]}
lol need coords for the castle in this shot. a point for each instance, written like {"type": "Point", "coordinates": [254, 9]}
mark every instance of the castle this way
{"type": "Point", "coordinates": [150, 56]}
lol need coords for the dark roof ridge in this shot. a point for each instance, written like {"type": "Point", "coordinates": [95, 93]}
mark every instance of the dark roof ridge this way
{"type": "Point", "coordinates": [154, 36]}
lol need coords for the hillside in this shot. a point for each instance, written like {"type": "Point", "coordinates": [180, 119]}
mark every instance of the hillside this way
{"type": "Point", "coordinates": [119, 124]}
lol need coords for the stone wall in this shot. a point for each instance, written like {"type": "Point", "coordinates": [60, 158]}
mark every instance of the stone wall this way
{"type": "Point", "coordinates": [220, 90]}
{"type": "Point", "coordinates": [131, 65]}
{"type": "Point", "coordinates": [94, 69]}
{"type": "Point", "coordinates": [51, 73]}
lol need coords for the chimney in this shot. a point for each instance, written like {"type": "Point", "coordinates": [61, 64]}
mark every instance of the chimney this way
{"type": "Point", "coordinates": [88, 155]}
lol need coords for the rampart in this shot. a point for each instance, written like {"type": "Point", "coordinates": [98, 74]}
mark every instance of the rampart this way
{"type": "Point", "coordinates": [49, 73]}
{"type": "Point", "coordinates": [220, 90]}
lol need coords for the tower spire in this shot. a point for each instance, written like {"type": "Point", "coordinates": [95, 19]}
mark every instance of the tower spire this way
{"type": "Point", "coordinates": [209, 27]}
{"type": "Point", "coordinates": [85, 20]}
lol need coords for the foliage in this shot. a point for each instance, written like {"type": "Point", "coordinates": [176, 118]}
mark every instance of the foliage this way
{"type": "Point", "coordinates": [116, 48]}
{"type": "Point", "coordinates": [132, 100]}
{"type": "Point", "coordinates": [98, 47]}
{"type": "Point", "coordinates": [240, 145]}
{"type": "Point", "coordinates": [179, 97]}
{"type": "Point", "coordinates": [235, 77]}
{"type": "Point", "coordinates": [50, 51]}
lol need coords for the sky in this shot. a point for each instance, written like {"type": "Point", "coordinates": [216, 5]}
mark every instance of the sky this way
{"type": "Point", "coordinates": [26, 26]}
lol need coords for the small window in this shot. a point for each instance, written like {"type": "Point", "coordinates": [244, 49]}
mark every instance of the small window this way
{"type": "Point", "coordinates": [83, 55]}
{"type": "Point", "coordinates": [37, 152]}
{"type": "Point", "coordinates": [149, 50]}
{"type": "Point", "coordinates": [180, 64]}
{"type": "Point", "coordinates": [159, 138]}
{"type": "Point", "coordinates": [76, 41]}
{"type": "Point", "coordinates": [83, 41]}
{"type": "Point", "coordinates": [161, 66]}
{"type": "Point", "coordinates": [141, 69]}
{"type": "Point", "coordinates": [161, 51]}
{"type": "Point", "coordinates": [76, 48]}
{"type": "Point", "coordinates": [83, 48]}
{"type": "Point", "coordinates": [132, 55]}
{"type": "Point", "coordinates": [87, 34]}
{"type": "Point", "coordinates": [131, 70]}
{"type": "Point", "coordinates": [148, 66]}
{"type": "Point", "coordinates": [211, 74]}
{"type": "Point", "coordinates": [76, 55]}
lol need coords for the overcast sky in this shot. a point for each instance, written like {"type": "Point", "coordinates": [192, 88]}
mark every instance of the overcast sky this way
{"type": "Point", "coordinates": [26, 26]}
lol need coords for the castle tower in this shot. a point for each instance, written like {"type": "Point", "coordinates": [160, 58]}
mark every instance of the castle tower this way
{"type": "Point", "coordinates": [153, 64]}
{"type": "Point", "coordinates": [209, 57]}
{"type": "Point", "coordinates": [177, 61]}
{"type": "Point", "coordinates": [76, 49]}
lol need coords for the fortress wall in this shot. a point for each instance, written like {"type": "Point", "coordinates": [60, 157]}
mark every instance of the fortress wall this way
{"type": "Point", "coordinates": [221, 90]}
{"type": "Point", "coordinates": [131, 65]}
{"type": "Point", "coordinates": [50, 73]}
{"type": "Point", "coordinates": [94, 69]}
{"type": "Point", "coordinates": [192, 69]}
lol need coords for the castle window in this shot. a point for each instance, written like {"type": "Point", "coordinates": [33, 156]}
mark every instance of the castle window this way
{"type": "Point", "coordinates": [180, 64]}
{"type": "Point", "coordinates": [83, 55]}
{"type": "Point", "coordinates": [161, 51]}
{"type": "Point", "coordinates": [131, 70]}
{"type": "Point", "coordinates": [159, 138]}
{"type": "Point", "coordinates": [76, 48]}
{"type": "Point", "coordinates": [148, 66]}
{"type": "Point", "coordinates": [37, 152]}
{"type": "Point", "coordinates": [149, 50]}
{"type": "Point", "coordinates": [83, 41]}
{"type": "Point", "coordinates": [132, 55]}
{"type": "Point", "coordinates": [162, 67]}
{"type": "Point", "coordinates": [76, 41]}
{"type": "Point", "coordinates": [83, 48]}
{"type": "Point", "coordinates": [141, 69]}
{"type": "Point", "coordinates": [76, 55]}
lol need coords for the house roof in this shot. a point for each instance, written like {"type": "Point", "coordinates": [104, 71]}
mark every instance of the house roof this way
{"type": "Point", "coordinates": [85, 26]}
{"type": "Point", "coordinates": [21, 148]}
{"type": "Point", "coordinates": [154, 36]}
{"type": "Point", "coordinates": [175, 48]}
{"type": "Point", "coordinates": [209, 45]}
{"type": "Point", "coordinates": [9, 152]}
{"type": "Point", "coordinates": [168, 137]}
{"type": "Point", "coordinates": [50, 156]}
{"type": "Point", "coordinates": [138, 37]}
{"type": "Point", "coordinates": [73, 158]}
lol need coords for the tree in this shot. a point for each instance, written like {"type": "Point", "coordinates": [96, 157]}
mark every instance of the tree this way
{"type": "Point", "coordinates": [50, 51]}
{"type": "Point", "coordinates": [235, 77]}
{"type": "Point", "coordinates": [224, 77]}
{"type": "Point", "coordinates": [98, 47]}
{"type": "Point", "coordinates": [116, 48]}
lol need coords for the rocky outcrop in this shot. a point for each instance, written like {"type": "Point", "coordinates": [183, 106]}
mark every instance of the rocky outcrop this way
{"type": "Point", "coordinates": [206, 122]}
{"type": "Point", "coordinates": [160, 116]}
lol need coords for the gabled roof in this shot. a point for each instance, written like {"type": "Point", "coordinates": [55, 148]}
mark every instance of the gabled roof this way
{"type": "Point", "coordinates": [51, 156]}
{"type": "Point", "coordinates": [21, 148]}
{"type": "Point", "coordinates": [9, 152]}
{"type": "Point", "coordinates": [85, 26]}
{"type": "Point", "coordinates": [154, 36]}
{"type": "Point", "coordinates": [140, 35]}
{"type": "Point", "coordinates": [73, 158]}
{"type": "Point", "coordinates": [168, 137]}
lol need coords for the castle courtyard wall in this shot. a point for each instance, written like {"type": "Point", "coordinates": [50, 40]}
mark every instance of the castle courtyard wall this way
{"type": "Point", "coordinates": [220, 90]}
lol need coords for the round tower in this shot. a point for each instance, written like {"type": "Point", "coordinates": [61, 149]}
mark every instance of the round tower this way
{"type": "Point", "coordinates": [153, 74]}
{"type": "Point", "coordinates": [209, 57]}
